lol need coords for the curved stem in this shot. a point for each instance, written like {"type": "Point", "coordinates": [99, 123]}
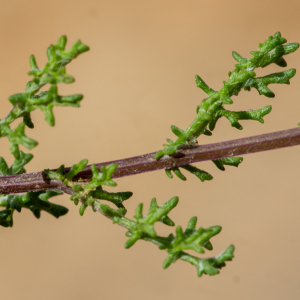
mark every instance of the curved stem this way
{"type": "Point", "coordinates": [145, 163]}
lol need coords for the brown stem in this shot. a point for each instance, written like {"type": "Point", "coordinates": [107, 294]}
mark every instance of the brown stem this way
{"type": "Point", "coordinates": [145, 163]}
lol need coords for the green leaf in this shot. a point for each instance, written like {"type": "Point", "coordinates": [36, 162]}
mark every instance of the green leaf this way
{"type": "Point", "coordinates": [144, 225]}
{"type": "Point", "coordinates": [71, 98]}
{"type": "Point", "coordinates": [178, 132]}
{"type": "Point", "coordinates": [261, 83]}
{"type": "Point", "coordinates": [33, 63]}
{"type": "Point", "coordinates": [272, 56]}
{"type": "Point", "coordinates": [234, 116]}
{"type": "Point", "coordinates": [178, 173]}
{"type": "Point", "coordinates": [58, 174]}
{"type": "Point", "coordinates": [76, 169]}
{"type": "Point", "coordinates": [281, 62]}
{"type": "Point", "coordinates": [18, 98]}
{"type": "Point", "coordinates": [62, 41]}
{"type": "Point", "coordinates": [27, 120]}
{"type": "Point", "coordinates": [168, 173]}
{"type": "Point", "coordinates": [230, 161]}
{"type": "Point", "coordinates": [114, 214]}
{"type": "Point", "coordinates": [34, 201]}
{"type": "Point", "coordinates": [18, 136]}
{"type": "Point", "coordinates": [115, 198]}
{"type": "Point", "coordinates": [82, 209]}
{"type": "Point", "coordinates": [18, 165]}
{"type": "Point", "coordinates": [202, 175]}
{"type": "Point", "coordinates": [103, 178]}
{"type": "Point", "coordinates": [211, 266]}
{"type": "Point", "coordinates": [239, 58]}
{"type": "Point", "coordinates": [203, 86]}
{"type": "Point", "coordinates": [4, 170]}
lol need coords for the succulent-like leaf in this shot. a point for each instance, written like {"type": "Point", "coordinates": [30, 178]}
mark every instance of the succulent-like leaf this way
{"type": "Point", "coordinates": [261, 83]}
{"type": "Point", "coordinates": [103, 178]}
{"type": "Point", "coordinates": [234, 116]}
{"type": "Point", "coordinates": [18, 165]}
{"type": "Point", "coordinates": [115, 198]}
{"type": "Point", "coordinates": [76, 169]}
{"type": "Point", "coordinates": [202, 175]}
{"type": "Point", "coordinates": [144, 225]}
{"type": "Point", "coordinates": [34, 201]}
{"type": "Point", "coordinates": [230, 161]}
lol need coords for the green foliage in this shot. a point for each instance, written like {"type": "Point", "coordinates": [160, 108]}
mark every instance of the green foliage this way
{"type": "Point", "coordinates": [24, 103]}
{"type": "Point", "coordinates": [144, 226]}
{"type": "Point", "coordinates": [34, 201]}
{"type": "Point", "coordinates": [202, 175]}
{"type": "Point", "coordinates": [190, 239]}
{"type": "Point", "coordinates": [115, 198]}
{"type": "Point", "coordinates": [86, 193]}
{"type": "Point", "coordinates": [242, 77]}
{"type": "Point", "coordinates": [89, 194]}
{"type": "Point", "coordinates": [229, 161]}
{"type": "Point", "coordinates": [234, 116]}
{"type": "Point", "coordinates": [212, 265]}
{"type": "Point", "coordinates": [196, 240]}
{"type": "Point", "coordinates": [52, 73]}
{"type": "Point", "coordinates": [18, 165]}
{"type": "Point", "coordinates": [92, 193]}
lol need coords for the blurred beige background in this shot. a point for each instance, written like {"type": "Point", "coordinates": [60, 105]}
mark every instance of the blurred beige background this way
{"type": "Point", "coordinates": [138, 79]}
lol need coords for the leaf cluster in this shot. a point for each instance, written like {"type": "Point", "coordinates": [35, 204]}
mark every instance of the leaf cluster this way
{"type": "Point", "coordinates": [34, 201]}
{"type": "Point", "coordinates": [52, 73]}
{"type": "Point", "coordinates": [190, 239]}
{"type": "Point", "coordinates": [86, 193]}
{"type": "Point", "coordinates": [212, 108]}
{"type": "Point", "coordinates": [142, 228]}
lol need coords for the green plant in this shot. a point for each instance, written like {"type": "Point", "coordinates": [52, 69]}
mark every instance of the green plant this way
{"type": "Point", "coordinates": [85, 183]}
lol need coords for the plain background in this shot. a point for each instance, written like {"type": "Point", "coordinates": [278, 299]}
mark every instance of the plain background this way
{"type": "Point", "coordinates": [137, 80]}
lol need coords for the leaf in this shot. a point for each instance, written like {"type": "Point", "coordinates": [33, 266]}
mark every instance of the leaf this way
{"type": "Point", "coordinates": [144, 225]}
{"type": "Point", "coordinates": [27, 120]}
{"type": "Point", "coordinates": [203, 86]}
{"type": "Point", "coordinates": [103, 178]}
{"type": "Point", "coordinates": [230, 161]}
{"type": "Point", "coordinates": [18, 165]}
{"type": "Point", "coordinates": [178, 132]}
{"type": "Point", "coordinates": [261, 83]}
{"type": "Point", "coordinates": [18, 136]}
{"type": "Point", "coordinates": [76, 169]}
{"type": "Point", "coordinates": [202, 175]}
{"type": "Point", "coordinates": [211, 266]}
{"type": "Point", "coordinates": [116, 198]}
{"type": "Point", "coordinates": [234, 116]}
{"type": "Point", "coordinates": [34, 201]}
{"type": "Point", "coordinates": [4, 170]}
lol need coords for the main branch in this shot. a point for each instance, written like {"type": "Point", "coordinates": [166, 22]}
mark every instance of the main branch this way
{"type": "Point", "coordinates": [145, 163]}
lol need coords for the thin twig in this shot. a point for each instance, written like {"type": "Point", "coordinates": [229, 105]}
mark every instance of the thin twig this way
{"type": "Point", "coordinates": [37, 181]}
{"type": "Point", "coordinates": [8, 114]}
